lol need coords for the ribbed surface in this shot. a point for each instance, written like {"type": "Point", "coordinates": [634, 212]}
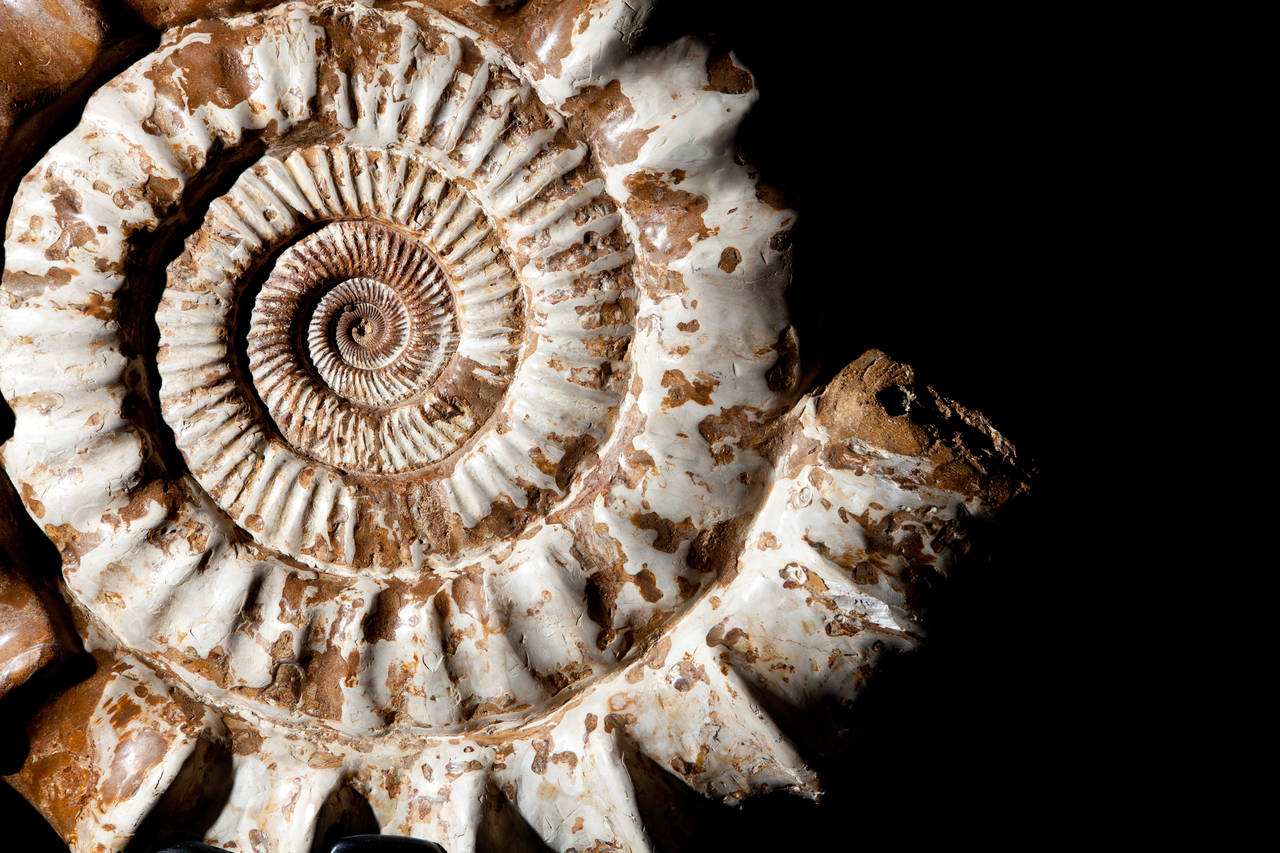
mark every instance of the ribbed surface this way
{"type": "Point", "coordinates": [362, 324]}
{"type": "Point", "coordinates": [353, 326]}
{"type": "Point", "coordinates": [387, 343]}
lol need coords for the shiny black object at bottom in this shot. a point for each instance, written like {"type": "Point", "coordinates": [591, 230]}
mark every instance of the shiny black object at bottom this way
{"type": "Point", "coordinates": [385, 844]}
{"type": "Point", "coordinates": [353, 844]}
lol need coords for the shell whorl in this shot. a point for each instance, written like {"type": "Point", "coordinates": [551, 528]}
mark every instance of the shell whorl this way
{"type": "Point", "coordinates": [321, 425]}
{"type": "Point", "coordinates": [357, 315]}
{"type": "Point", "coordinates": [380, 333]}
{"type": "Point", "coordinates": [359, 332]}
{"type": "Point", "coordinates": [442, 203]}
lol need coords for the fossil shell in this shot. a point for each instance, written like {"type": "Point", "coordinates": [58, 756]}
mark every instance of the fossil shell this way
{"type": "Point", "coordinates": [467, 447]}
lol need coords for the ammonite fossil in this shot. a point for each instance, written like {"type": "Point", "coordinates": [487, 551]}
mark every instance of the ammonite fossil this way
{"type": "Point", "coordinates": [410, 393]}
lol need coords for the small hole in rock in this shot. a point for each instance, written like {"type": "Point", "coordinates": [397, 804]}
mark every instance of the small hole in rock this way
{"type": "Point", "coordinates": [895, 400]}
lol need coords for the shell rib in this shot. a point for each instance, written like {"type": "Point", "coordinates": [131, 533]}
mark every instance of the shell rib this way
{"type": "Point", "coordinates": [477, 459]}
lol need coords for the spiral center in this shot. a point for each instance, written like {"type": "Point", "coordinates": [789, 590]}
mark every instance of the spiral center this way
{"type": "Point", "coordinates": [363, 310]}
{"type": "Point", "coordinates": [368, 330]}
{"type": "Point", "coordinates": [364, 321]}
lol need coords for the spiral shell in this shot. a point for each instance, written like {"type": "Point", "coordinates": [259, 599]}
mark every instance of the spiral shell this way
{"type": "Point", "coordinates": [468, 442]}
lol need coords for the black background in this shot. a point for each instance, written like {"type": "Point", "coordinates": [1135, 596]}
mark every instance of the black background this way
{"type": "Point", "coordinates": [935, 160]}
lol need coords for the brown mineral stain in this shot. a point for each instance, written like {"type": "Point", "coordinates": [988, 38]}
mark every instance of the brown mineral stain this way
{"type": "Point", "coordinates": [381, 621]}
{"type": "Point", "coordinates": [21, 286]}
{"type": "Point", "coordinates": [740, 427]}
{"type": "Point", "coordinates": [669, 220]}
{"type": "Point", "coordinates": [29, 498]}
{"type": "Point", "coordinates": [323, 759]}
{"type": "Point", "coordinates": [457, 769]}
{"type": "Point", "coordinates": [618, 722]}
{"type": "Point", "coordinates": [205, 72]}
{"type": "Point", "coordinates": [724, 76]}
{"type": "Point", "coordinates": [606, 117]}
{"type": "Point", "coordinates": [162, 192]}
{"type": "Point", "coordinates": [656, 657]}
{"type": "Point", "coordinates": [673, 282]}
{"type": "Point", "coordinates": [596, 550]}
{"type": "Point", "coordinates": [549, 26]}
{"type": "Point", "coordinates": [680, 390]}
{"type": "Point", "coordinates": [74, 232]}
{"type": "Point", "coordinates": [157, 492]}
{"type": "Point", "coordinates": [213, 666]}
{"type": "Point", "coordinates": [611, 348]}
{"type": "Point", "coordinates": [738, 640]}
{"type": "Point", "coordinates": [684, 767]}
{"type": "Point", "coordinates": [648, 585]}
{"type": "Point", "coordinates": [292, 596]}
{"type": "Point", "coordinates": [376, 543]}
{"type": "Point", "coordinates": [716, 635]}
{"type": "Point", "coordinates": [282, 648]}
{"type": "Point", "coordinates": [469, 595]}
{"type": "Point", "coordinates": [636, 465]}
{"type": "Point", "coordinates": [685, 674]}
{"type": "Point", "coordinates": [669, 533]}
{"type": "Point", "coordinates": [729, 259]}
{"type": "Point", "coordinates": [71, 543]}
{"type": "Point", "coordinates": [322, 687]}
{"type": "Point", "coordinates": [807, 579]}
{"type": "Point", "coordinates": [716, 548]}
{"type": "Point", "coordinates": [568, 675]}
{"type": "Point", "coordinates": [841, 457]}
{"type": "Point", "coordinates": [122, 711]}
{"type": "Point", "coordinates": [541, 754]}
